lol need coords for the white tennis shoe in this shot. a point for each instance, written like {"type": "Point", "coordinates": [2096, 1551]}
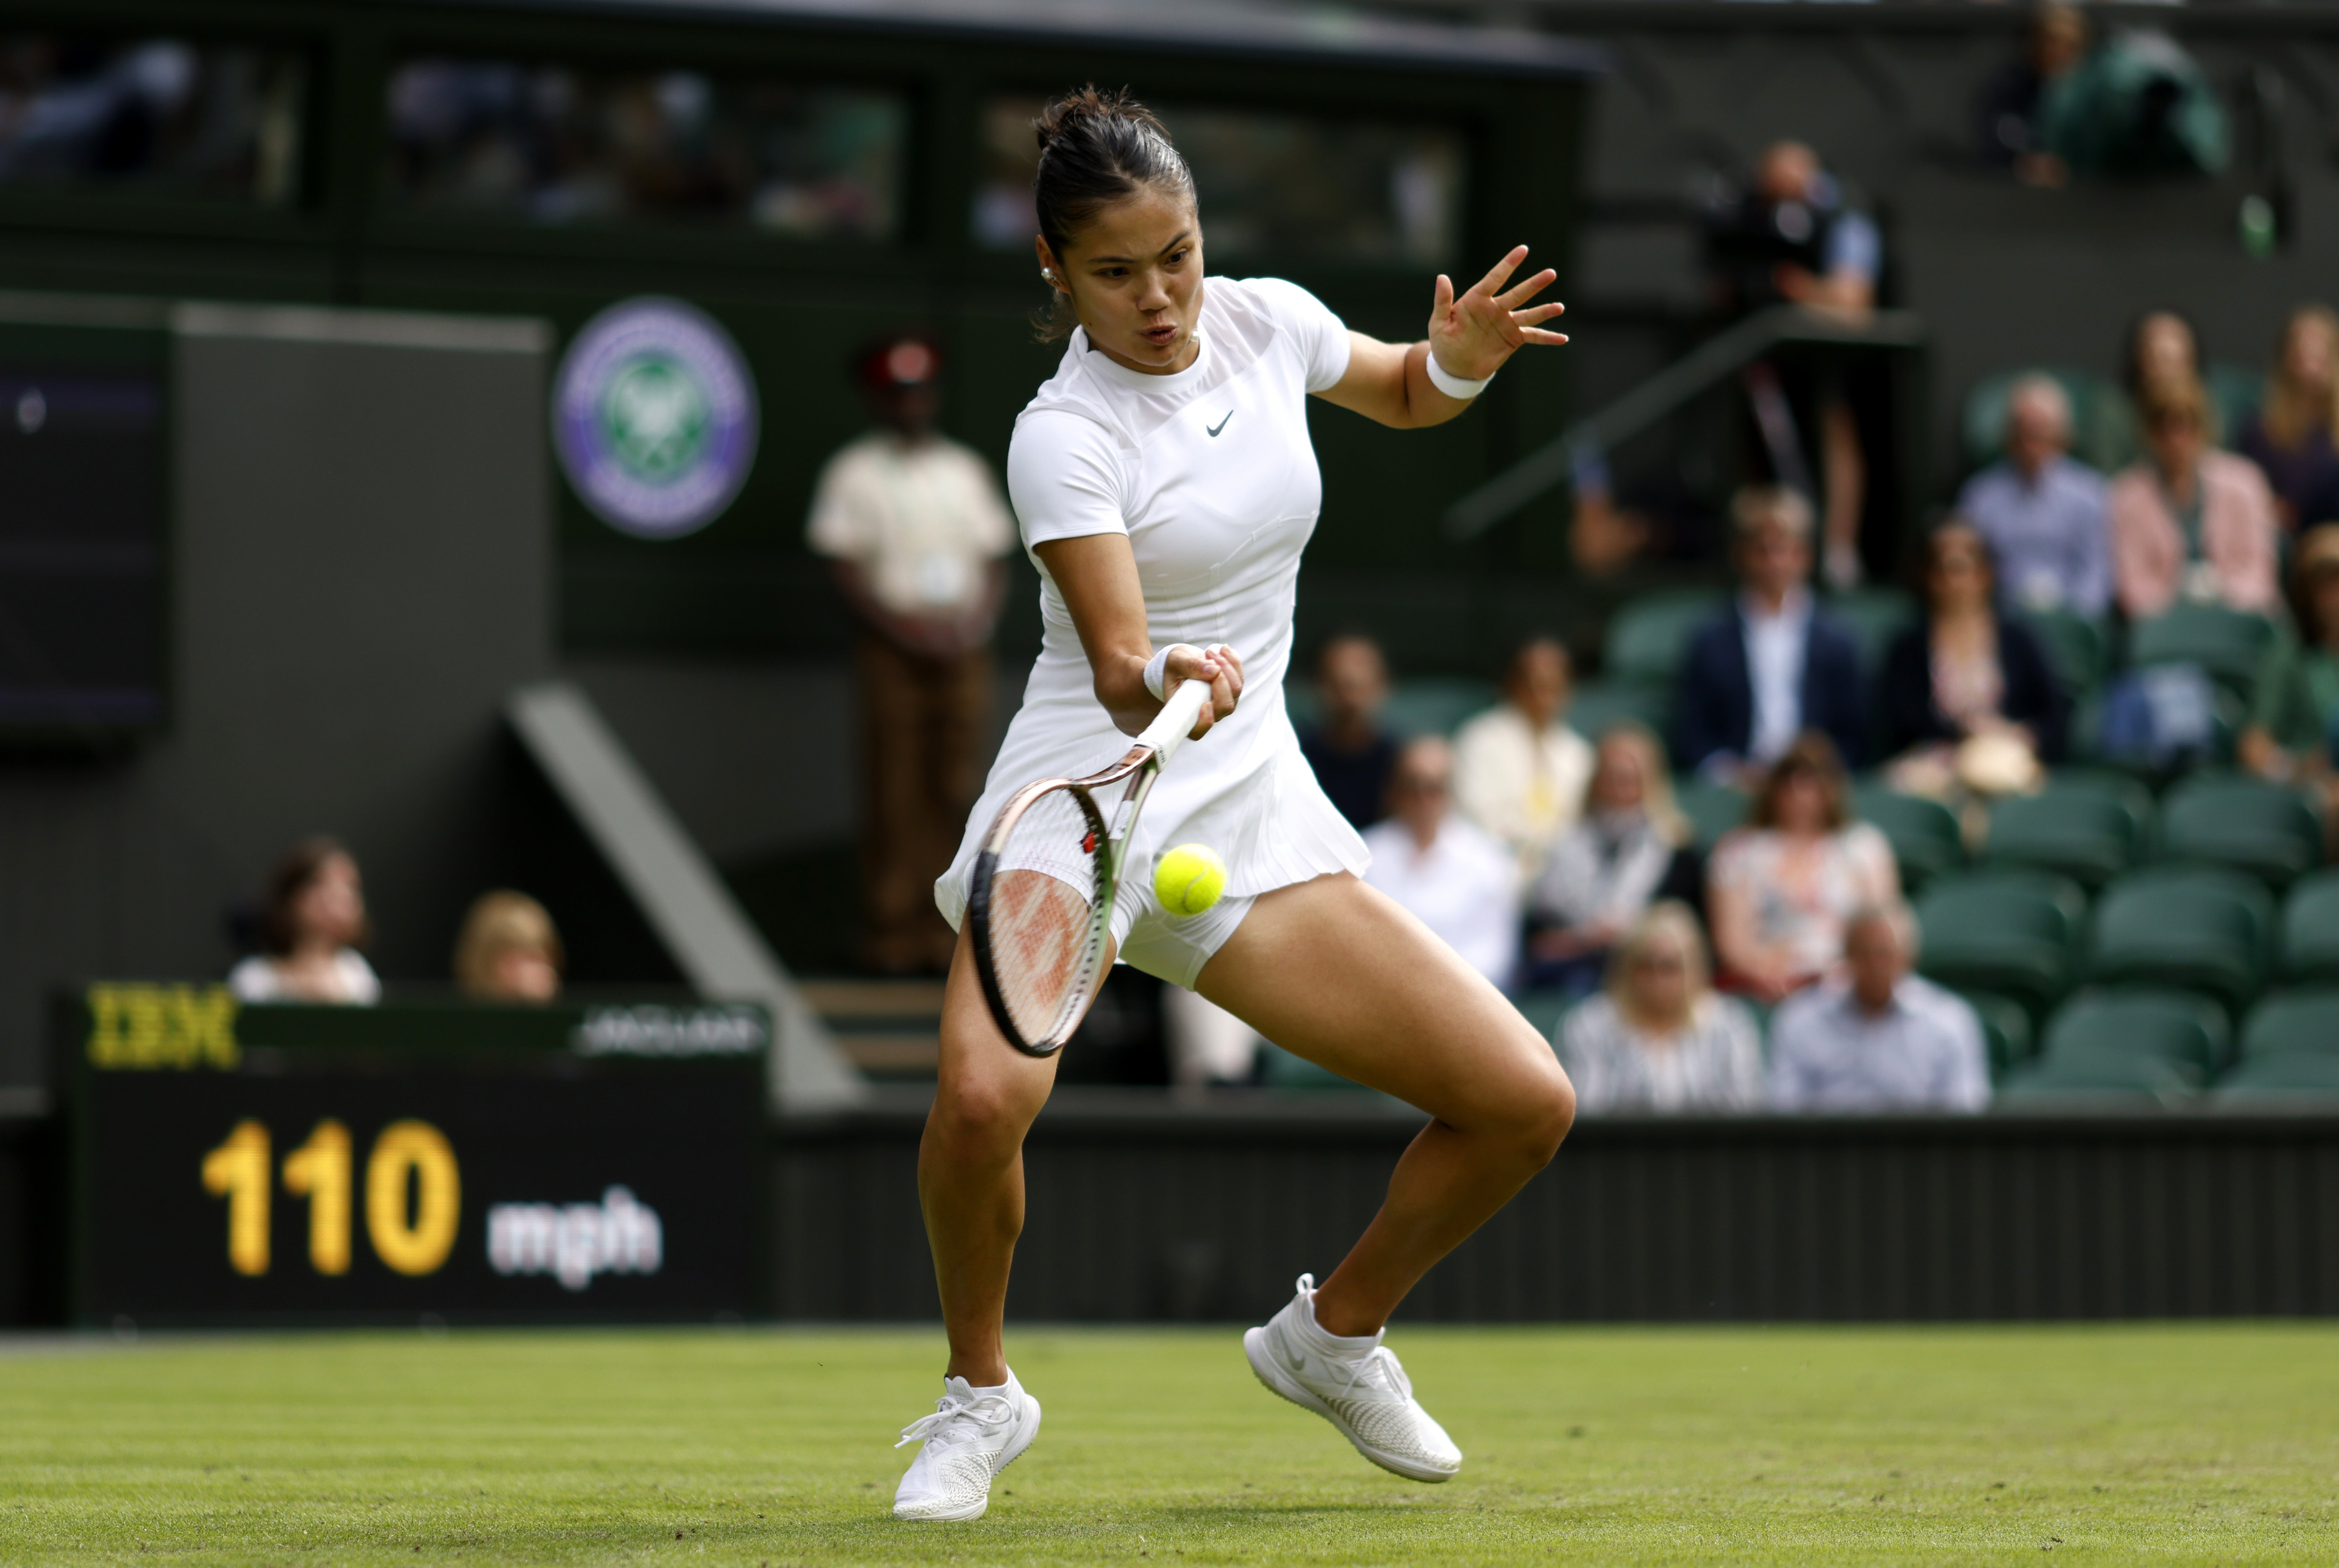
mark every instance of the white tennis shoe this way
{"type": "Point", "coordinates": [1365, 1394]}
{"type": "Point", "coordinates": [972, 1436]}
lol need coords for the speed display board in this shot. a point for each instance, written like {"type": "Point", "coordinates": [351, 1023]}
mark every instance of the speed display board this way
{"type": "Point", "coordinates": [309, 1164]}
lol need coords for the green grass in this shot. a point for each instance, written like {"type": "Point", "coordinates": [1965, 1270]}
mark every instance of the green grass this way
{"type": "Point", "coordinates": [2215, 1443]}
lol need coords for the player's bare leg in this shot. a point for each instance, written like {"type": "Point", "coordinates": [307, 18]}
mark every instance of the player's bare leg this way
{"type": "Point", "coordinates": [1337, 974]}
{"type": "Point", "coordinates": [1333, 971]}
{"type": "Point", "coordinates": [970, 1169]}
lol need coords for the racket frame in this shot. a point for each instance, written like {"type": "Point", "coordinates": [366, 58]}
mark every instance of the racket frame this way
{"type": "Point", "coordinates": [1138, 768]}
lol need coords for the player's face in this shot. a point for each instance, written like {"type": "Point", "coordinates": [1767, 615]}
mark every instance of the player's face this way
{"type": "Point", "coordinates": [1135, 272]}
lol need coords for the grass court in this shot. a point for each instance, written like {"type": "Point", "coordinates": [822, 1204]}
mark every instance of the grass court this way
{"type": "Point", "coordinates": [2187, 1444]}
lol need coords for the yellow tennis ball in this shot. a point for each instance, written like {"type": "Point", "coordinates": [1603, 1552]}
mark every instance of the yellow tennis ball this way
{"type": "Point", "coordinates": [1189, 879]}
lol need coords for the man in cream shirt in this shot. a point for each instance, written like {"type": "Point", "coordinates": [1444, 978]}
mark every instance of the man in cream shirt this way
{"type": "Point", "coordinates": [916, 527]}
{"type": "Point", "coordinates": [1519, 772]}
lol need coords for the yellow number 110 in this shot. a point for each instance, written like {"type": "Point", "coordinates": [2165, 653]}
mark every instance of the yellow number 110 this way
{"type": "Point", "coordinates": [410, 1242]}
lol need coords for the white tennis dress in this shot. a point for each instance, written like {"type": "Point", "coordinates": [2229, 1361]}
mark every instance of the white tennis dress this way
{"type": "Point", "coordinates": [1211, 475]}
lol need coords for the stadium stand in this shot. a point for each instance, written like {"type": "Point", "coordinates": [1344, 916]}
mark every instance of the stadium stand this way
{"type": "Point", "coordinates": [2161, 1045]}
{"type": "Point", "coordinates": [2010, 932]}
{"type": "Point", "coordinates": [2310, 928]}
{"type": "Point", "coordinates": [1648, 639]}
{"type": "Point", "coordinates": [2206, 928]}
{"type": "Point", "coordinates": [2079, 644]}
{"type": "Point", "coordinates": [2267, 830]}
{"type": "Point", "coordinates": [1712, 809]}
{"type": "Point", "coordinates": [1924, 833]}
{"type": "Point", "coordinates": [2227, 643]}
{"type": "Point", "coordinates": [2005, 1029]}
{"type": "Point", "coordinates": [2088, 828]}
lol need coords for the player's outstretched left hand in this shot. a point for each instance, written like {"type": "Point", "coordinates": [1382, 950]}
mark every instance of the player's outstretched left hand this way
{"type": "Point", "coordinates": [1473, 335]}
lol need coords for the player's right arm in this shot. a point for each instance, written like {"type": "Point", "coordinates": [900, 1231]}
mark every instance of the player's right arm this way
{"type": "Point", "coordinates": [1097, 575]}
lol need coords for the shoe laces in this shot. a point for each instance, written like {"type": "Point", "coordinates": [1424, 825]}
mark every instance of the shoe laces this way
{"type": "Point", "coordinates": [1378, 1369]}
{"type": "Point", "coordinates": [958, 1417]}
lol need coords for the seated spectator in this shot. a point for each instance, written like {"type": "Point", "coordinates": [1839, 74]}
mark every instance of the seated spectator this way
{"type": "Point", "coordinates": [2041, 511]}
{"type": "Point", "coordinates": [2014, 105]}
{"type": "Point", "coordinates": [2290, 435]}
{"type": "Point", "coordinates": [1969, 698]}
{"type": "Point", "coordinates": [310, 928]}
{"type": "Point", "coordinates": [1881, 1039]}
{"type": "Point", "coordinates": [2190, 521]}
{"type": "Point", "coordinates": [508, 950]}
{"type": "Point", "coordinates": [1658, 1038]}
{"type": "Point", "coordinates": [1456, 879]}
{"type": "Point", "coordinates": [1518, 770]}
{"type": "Point", "coordinates": [1626, 851]}
{"type": "Point", "coordinates": [1781, 888]}
{"type": "Point", "coordinates": [1209, 1047]}
{"type": "Point", "coordinates": [1346, 746]}
{"type": "Point", "coordinates": [2163, 349]}
{"type": "Point", "coordinates": [1775, 664]}
{"type": "Point", "coordinates": [2296, 699]}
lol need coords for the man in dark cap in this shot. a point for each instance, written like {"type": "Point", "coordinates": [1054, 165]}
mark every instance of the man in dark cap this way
{"type": "Point", "coordinates": [916, 527]}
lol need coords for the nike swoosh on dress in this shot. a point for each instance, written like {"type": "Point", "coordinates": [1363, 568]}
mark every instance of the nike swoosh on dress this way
{"type": "Point", "coordinates": [1221, 424]}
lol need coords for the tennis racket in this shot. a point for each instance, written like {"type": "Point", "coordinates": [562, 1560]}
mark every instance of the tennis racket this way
{"type": "Point", "coordinates": [1045, 878]}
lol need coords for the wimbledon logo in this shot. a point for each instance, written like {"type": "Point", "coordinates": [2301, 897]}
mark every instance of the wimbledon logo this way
{"type": "Point", "coordinates": [654, 416]}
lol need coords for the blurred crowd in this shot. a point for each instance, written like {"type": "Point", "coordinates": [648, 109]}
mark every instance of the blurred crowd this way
{"type": "Point", "coordinates": [308, 934]}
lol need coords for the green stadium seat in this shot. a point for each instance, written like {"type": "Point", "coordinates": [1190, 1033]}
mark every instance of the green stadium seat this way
{"type": "Point", "coordinates": [1648, 639]}
{"type": "Point", "coordinates": [2294, 1020]}
{"type": "Point", "coordinates": [2012, 932]}
{"type": "Point", "coordinates": [2310, 928]}
{"type": "Point", "coordinates": [2078, 645]}
{"type": "Point", "coordinates": [2227, 643]}
{"type": "Point", "coordinates": [1925, 835]}
{"type": "Point", "coordinates": [1873, 615]}
{"type": "Point", "coordinates": [2084, 831]}
{"type": "Point", "coordinates": [1712, 809]}
{"type": "Point", "coordinates": [1600, 704]}
{"type": "Point", "coordinates": [2096, 1081]}
{"type": "Point", "coordinates": [2267, 830]}
{"type": "Point", "coordinates": [2204, 928]}
{"type": "Point", "coordinates": [2186, 1030]}
{"type": "Point", "coordinates": [2285, 1077]}
{"type": "Point", "coordinates": [2004, 1029]}
{"type": "Point", "coordinates": [1436, 705]}
{"type": "Point", "coordinates": [1544, 1009]}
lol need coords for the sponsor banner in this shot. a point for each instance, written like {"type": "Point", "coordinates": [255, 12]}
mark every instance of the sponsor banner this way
{"type": "Point", "coordinates": [319, 1178]}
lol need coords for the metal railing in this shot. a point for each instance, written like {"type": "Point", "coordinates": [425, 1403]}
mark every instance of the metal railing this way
{"type": "Point", "coordinates": [1720, 356]}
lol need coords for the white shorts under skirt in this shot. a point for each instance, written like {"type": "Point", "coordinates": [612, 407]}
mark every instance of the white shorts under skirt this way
{"type": "Point", "coordinates": [1169, 946]}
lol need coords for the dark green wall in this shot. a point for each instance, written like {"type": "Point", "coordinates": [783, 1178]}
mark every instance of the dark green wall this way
{"type": "Point", "coordinates": [745, 583]}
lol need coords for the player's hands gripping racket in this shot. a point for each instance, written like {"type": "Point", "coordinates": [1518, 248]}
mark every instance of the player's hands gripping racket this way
{"type": "Point", "coordinates": [1044, 883]}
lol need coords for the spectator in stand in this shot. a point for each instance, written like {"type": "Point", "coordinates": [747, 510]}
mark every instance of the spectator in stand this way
{"type": "Point", "coordinates": [2041, 511]}
{"type": "Point", "coordinates": [1880, 1039]}
{"type": "Point", "coordinates": [2290, 435]}
{"type": "Point", "coordinates": [1519, 771]}
{"type": "Point", "coordinates": [1782, 888]}
{"type": "Point", "coordinates": [1627, 850]}
{"type": "Point", "coordinates": [310, 928]}
{"type": "Point", "coordinates": [1792, 238]}
{"type": "Point", "coordinates": [1968, 697]}
{"type": "Point", "coordinates": [1457, 880]}
{"type": "Point", "coordinates": [2015, 104]}
{"type": "Point", "coordinates": [1775, 664]}
{"type": "Point", "coordinates": [2163, 349]}
{"type": "Point", "coordinates": [508, 950]}
{"type": "Point", "coordinates": [1351, 753]}
{"type": "Point", "coordinates": [2294, 701]}
{"type": "Point", "coordinates": [915, 526]}
{"type": "Point", "coordinates": [2190, 521]}
{"type": "Point", "coordinates": [1658, 1038]}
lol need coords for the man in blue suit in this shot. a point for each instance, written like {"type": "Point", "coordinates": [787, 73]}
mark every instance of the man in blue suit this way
{"type": "Point", "coordinates": [1774, 664]}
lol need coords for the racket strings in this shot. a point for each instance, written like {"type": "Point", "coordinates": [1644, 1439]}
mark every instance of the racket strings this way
{"type": "Point", "coordinates": [1041, 908]}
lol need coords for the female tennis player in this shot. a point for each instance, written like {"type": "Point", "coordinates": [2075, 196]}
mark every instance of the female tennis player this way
{"type": "Point", "coordinates": [1165, 486]}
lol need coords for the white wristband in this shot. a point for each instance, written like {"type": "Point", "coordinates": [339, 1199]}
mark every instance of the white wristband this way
{"type": "Point", "coordinates": [1156, 667]}
{"type": "Point", "coordinates": [1452, 385]}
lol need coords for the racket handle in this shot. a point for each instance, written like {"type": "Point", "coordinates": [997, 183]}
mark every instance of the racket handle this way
{"type": "Point", "coordinates": [1170, 728]}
